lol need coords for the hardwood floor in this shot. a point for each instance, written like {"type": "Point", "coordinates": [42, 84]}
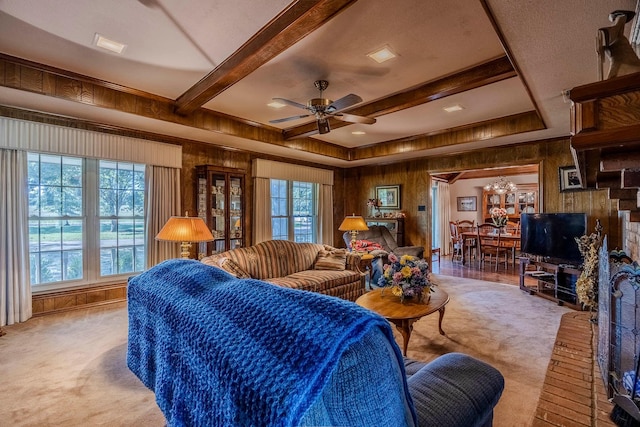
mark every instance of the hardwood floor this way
{"type": "Point", "coordinates": [472, 271]}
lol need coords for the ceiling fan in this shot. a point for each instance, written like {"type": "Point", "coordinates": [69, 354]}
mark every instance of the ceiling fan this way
{"type": "Point", "coordinates": [323, 108]}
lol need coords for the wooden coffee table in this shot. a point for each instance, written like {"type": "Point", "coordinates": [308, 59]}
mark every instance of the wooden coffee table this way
{"type": "Point", "coordinates": [404, 314]}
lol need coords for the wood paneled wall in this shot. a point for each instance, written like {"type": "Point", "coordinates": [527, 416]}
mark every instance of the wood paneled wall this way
{"type": "Point", "coordinates": [414, 178]}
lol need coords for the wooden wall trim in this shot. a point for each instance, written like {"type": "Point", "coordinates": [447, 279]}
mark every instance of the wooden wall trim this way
{"type": "Point", "coordinates": [510, 125]}
{"type": "Point", "coordinates": [60, 301]}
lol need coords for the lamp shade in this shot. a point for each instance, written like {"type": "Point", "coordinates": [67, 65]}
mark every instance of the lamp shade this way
{"type": "Point", "coordinates": [185, 229]}
{"type": "Point", "coordinates": [353, 223]}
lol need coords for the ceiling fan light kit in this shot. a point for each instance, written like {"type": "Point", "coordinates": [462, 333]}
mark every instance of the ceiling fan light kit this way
{"type": "Point", "coordinates": [323, 108]}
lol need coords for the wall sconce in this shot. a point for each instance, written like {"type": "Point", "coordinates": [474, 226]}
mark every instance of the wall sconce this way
{"type": "Point", "coordinates": [185, 229]}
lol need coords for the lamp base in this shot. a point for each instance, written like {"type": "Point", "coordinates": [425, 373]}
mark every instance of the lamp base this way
{"type": "Point", "coordinates": [185, 250]}
{"type": "Point", "coordinates": [354, 235]}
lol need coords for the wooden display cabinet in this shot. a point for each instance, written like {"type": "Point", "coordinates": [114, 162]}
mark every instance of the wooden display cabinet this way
{"type": "Point", "coordinates": [220, 194]}
{"type": "Point", "coordinates": [523, 200]}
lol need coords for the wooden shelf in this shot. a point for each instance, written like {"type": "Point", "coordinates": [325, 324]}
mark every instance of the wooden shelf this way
{"type": "Point", "coordinates": [605, 119]}
{"type": "Point", "coordinates": [556, 282]}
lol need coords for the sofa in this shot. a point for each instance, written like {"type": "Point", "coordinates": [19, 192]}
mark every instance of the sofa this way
{"type": "Point", "coordinates": [221, 351]}
{"type": "Point", "coordinates": [306, 266]}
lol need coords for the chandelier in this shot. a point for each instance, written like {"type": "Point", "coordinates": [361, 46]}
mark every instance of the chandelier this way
{"type": "Point", "coordinates": [501, 186]}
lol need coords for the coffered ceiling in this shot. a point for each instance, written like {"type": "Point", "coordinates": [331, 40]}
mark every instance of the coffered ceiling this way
{"type": "Point", "coordinates": [205, 70]}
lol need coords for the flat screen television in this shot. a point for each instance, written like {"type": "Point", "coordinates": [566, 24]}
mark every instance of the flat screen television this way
{"type": "Point", "coordinates": [552, 236]}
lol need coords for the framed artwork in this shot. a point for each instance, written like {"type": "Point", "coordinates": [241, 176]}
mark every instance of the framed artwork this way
{"type": "Point", "coordinates": [569, 178]}
{"type": "Point", "coordinates": [389, 196]}
{"type": "Point", "coordinates": [467, 204]}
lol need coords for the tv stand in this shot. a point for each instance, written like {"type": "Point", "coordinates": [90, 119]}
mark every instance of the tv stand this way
{"type": "Point", "coordinates": [556, 282]}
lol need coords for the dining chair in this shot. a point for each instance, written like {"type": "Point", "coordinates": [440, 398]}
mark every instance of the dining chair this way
{"type": "Point", "coordinates": [455, 242]}
{"type": "Point", "coordinates": [489, 244]}
{"type": "Point", "coordinates": [467, 226]}
{"type": "Point", "coordinates": [513, 228]}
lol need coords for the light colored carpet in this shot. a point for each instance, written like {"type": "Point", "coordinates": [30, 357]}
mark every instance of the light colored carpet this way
{"type": "Point", "coordinates": [69, 369]}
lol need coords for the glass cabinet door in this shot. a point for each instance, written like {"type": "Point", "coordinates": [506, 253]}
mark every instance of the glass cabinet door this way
{"type": "Point", "coordinates": [235, 212]}
{"type": "Point", "coordinates": [220, 202]}
{"type": "Point", "coordinates": [218, 223]}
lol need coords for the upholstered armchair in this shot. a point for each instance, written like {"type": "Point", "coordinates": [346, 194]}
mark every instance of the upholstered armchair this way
{"type": "Point", "coordinates": [381, 235]}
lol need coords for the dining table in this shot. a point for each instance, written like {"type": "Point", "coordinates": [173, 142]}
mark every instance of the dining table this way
{"type": "Point", "coordinates": [509, 240]}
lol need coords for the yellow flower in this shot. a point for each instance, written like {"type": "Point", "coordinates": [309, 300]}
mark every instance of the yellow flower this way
{"type": "Point", "coordinates": [405, 258]}
{"type": "Point", "coordinates": [406, 271]}
{"type": "Point", "coordinates": [396, 290]}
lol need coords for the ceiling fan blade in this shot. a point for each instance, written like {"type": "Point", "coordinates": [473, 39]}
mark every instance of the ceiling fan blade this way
{"type": "Point", "coordinates": [323, 126]}
{"type": "Point", "coordinates": [344, 102]}
{"type": "Point", "coordinates": [286, 119]}
{"type": "Point", "coordinates": [352, 118]}
{"type": "Point", "coordinates": [291, 103]}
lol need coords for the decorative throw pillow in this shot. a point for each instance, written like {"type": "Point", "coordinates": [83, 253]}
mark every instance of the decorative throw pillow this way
{"type": "Point", "coordinates": [232, 267]}
{"type": "Point", "coordinates": [367, 246]}
{"type": "Point", "coordinates": [331, 260]}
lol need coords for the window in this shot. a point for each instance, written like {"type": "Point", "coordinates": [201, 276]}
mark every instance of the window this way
{"type": "Point", "coordinates": [56, 244]}
{"type": "Point", "coordinates": [86, 218]}
{"type": "Point", "coordinates": [121, 188]}
{"type": "Point", "coordinates": [293, 210]}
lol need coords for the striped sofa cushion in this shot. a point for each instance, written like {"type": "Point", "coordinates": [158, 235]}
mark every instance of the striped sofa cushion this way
{"type": "Point", "coordinates": [317, 280]}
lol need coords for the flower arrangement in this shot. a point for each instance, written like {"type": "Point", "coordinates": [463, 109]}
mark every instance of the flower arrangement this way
{"type": "Point", "coordinates": [407, 277]}
{"type": "Point", "coordinates": [374, 204]}
{"type": "Point", "coordinates": [499, 216]}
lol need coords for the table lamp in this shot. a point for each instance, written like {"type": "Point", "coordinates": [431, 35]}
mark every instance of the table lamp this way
{"type": "Point", "coordinates": [353, 223]}
{"type": "Point", "coordinates": [185, 229]}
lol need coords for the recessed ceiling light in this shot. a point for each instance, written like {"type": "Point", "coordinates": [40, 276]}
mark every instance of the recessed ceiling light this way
{"type": "Point", "coordinates": [453, 108]}
{"type": "Point", "coordinates": [276, 104]}
{"type": "Point", "coordinates": [111, 45]}
{"type": "Point", "coordinates": [382, 54]}
{"type": "Point", "coordinates": [358, 132]}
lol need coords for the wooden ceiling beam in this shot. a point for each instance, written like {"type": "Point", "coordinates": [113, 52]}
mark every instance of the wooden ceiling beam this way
{"type": "Point", "coordinates": [298, 20]}
{"type": "Point", "coordinates": [489, 72]}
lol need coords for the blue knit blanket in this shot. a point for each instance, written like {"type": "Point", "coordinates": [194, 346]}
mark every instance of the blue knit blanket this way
{"type": "Point", "coordinates": [222, 351]}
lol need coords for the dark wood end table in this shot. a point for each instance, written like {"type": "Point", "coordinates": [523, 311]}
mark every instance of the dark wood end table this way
{"type": "Point", "coordinates": [404, 314]}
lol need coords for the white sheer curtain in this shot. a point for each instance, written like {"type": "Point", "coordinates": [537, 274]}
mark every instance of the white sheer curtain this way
{"type": "Point", "coordinates": [163, 201]}
{"type": "Point", "coordinates": [444, 210]}
{"type": "Point", "coordinates": [325, 214]}
{"type": "Point", "coordinates": [15, 287]}
{"type": "Point", "coordinates": [262, 230]}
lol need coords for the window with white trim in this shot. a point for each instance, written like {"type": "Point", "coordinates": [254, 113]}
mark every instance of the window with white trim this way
{"type": "Point", "coordinates": [86, 219]}
{"type": "Point", "coordinates": [294, 210]}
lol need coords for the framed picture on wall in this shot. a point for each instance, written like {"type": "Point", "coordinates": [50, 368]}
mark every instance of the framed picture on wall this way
{"type": "Point", "coordinates": [569, 178]}
{"type": "Point", "coordinates": [467, 204]}
{"type": "Point", "coordinates": [389, 196]}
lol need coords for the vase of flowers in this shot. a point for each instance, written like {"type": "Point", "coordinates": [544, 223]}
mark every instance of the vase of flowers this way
{"type": "Point", "coordinates": [407, 277]}
{"type": "Point", "coordinates": [499, 216]}
{"type": "Point", "coordinates": [374, 207]}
